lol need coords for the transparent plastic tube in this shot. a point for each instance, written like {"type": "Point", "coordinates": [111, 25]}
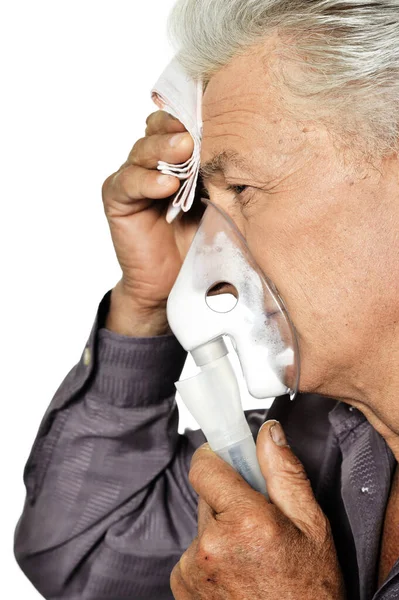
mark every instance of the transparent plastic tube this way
{"type": "Point", "coordinates": [213, 398]}
{"type": "Point", "coordinates": [242, 457]}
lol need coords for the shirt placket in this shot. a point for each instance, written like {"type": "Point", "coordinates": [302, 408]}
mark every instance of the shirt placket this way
{"type": "Point", "coordinates": [367, 467]}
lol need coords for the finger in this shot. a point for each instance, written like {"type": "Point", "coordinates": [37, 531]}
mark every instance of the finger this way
{"type": "Point", "coordinates": [216, 482]}
{"type": "Point", "coordinates": [135, 183]}
{"type": "Point", "coordinates": [205, 515]}
{"type": "Point", "coordinates": [172, 148]}
{"type": "Point", "coordinates": [287, 483]}
{"type": "Point", "coordinates": [163, 122]}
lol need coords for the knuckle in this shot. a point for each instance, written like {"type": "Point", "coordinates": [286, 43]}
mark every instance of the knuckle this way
{"type": "Point", "coordinates": [124, 178]}
{"type": "Point", "coordinates": [322, 531]}
{"type": "Point", "coordinates": [135, 152]}
{"type": "Point", "coordinates": [292, 469]}
{"type": "Point", "coordinates": [129, 183]}
{"type": "Point", "coordinates": [106, 188]}
{"type": "Point", "coordinates": [156, 120]}
{"type": "Point", "coordinates": [316, 527]}
{"type": "Point", "coordinates": [208, 551]}
{"type": "Point", "coordinates": [175, 577]}
{"type": "Point", "coordinates": [183, 564]}
{"type": "Point", "coordinates": [296, 468]}
{"type": "Point", "coordinates": [151, 117]}
{"type": "Point", "coordinates": [273, 527]}
{"type": "Point", "coordinates": [249, 521]}
{"type": "Point", "coordinates": [273, 531]}
{"type": "Point", "coordinates": [252, 524]}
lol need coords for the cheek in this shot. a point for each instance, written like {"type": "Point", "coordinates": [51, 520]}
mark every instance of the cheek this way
{"type": "Point", "coordinates": [309, 252]}
{"type": "Point", "coordinates": [288, 253]}
{"type": "Point", "coordinates": [300, 255]}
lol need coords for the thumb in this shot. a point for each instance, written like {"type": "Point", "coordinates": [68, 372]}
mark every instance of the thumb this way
{"type": "Point", "coordinates": [287, 483]}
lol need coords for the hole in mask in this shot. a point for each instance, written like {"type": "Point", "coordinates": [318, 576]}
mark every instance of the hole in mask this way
{"type": "Point", "coordinates": [222, 297]}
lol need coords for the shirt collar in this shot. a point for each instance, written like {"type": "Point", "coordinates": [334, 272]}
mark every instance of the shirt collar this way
{"type": "Point", "coordinates": [344, 419]}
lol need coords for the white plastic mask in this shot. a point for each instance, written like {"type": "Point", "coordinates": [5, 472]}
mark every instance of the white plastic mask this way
{"type": "Point", "coordinates": [259, 326]}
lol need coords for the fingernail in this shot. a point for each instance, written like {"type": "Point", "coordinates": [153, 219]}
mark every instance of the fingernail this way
{"type": "Point", "coordinates": [164, 179]}
{"type": "Point", "coordinates": [177, 139]}
{"type": "Point", "coordinates": [278, 435]}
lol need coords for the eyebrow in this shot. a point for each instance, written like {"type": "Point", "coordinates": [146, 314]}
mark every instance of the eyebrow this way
{"type": "Point", "coordinates": [221, 161]}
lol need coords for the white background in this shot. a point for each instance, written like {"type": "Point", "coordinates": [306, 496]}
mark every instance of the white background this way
{"type": "Point", "coordinates": [75, 81]}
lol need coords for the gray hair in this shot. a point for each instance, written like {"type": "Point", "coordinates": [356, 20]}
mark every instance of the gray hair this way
{"type": "Point", "coordinates": [347, 52]}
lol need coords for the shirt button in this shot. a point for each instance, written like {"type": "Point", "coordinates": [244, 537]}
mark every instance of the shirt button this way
{"type": "Point", "coordinates": [87, 357]}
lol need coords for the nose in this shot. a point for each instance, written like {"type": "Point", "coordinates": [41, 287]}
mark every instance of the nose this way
{"type": "Point", "coordinates": [223, 287]}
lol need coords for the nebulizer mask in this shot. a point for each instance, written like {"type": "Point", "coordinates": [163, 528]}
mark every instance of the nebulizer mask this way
{"type": "Point", "coordinates": [258, 325]}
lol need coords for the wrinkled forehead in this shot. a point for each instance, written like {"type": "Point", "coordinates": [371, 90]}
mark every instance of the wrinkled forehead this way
{"type": "Point", "coordinates": [245, 83]}
{"type": "Point", "coordinates": [242, 113]}
{"type": "Point", "coordinates": [232, 111]}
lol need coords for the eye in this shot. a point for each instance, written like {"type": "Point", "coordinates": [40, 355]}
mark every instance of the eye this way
{"type": "Point", "coordinates": [237, 189]}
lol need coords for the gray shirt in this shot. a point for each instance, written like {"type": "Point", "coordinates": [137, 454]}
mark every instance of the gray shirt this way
{"type": "Point", "coordinates": [109, 508]}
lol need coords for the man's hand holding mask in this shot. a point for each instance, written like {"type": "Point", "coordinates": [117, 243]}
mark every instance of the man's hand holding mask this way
{"type": "Point", "coordinates": [248, 547]}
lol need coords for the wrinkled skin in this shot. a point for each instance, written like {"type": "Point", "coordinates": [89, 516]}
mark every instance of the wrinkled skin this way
{"type": "Point", "coordinates": [249, 548]}
{"type": "Point", "coordinates": [321, 220]}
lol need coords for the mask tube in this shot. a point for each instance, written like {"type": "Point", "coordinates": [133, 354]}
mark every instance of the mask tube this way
{"type": "Point", "coordinates": [213, 398]}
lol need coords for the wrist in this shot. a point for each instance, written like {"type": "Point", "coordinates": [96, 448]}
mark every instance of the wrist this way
{"type": "Point", "coordinates": [125, 317]}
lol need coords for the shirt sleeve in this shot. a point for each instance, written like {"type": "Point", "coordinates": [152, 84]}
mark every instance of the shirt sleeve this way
{"type": "Point", "coordinates": [109, 509]}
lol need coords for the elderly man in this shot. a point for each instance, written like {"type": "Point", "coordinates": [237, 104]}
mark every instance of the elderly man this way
{"type": "Point", "coordinates": [301, 114]}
